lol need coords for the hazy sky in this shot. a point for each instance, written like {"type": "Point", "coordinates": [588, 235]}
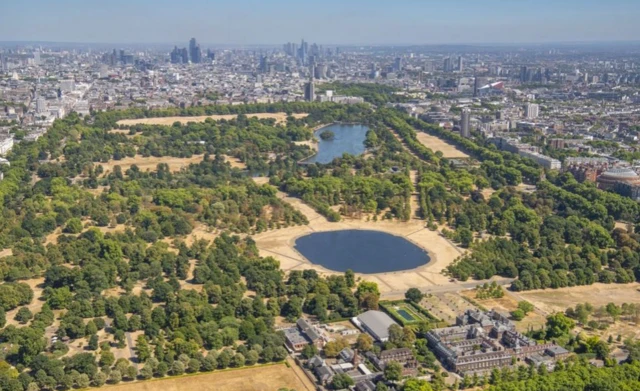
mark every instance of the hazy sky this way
{"type": "Point", "coordinates": [322, 21]}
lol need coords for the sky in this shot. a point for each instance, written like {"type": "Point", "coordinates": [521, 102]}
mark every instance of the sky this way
{"type": "Point", "coordinates": [375, 22]}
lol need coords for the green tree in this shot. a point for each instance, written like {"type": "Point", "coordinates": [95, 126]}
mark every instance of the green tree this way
{"type": "Point", "coordinates": [393, 371]}
{"type": "Point", "coordinates": [558, 325]}
{"type": "Point", "coordinates": [341, 381]}
{"type": "Point", "coordinates": [414, 295]}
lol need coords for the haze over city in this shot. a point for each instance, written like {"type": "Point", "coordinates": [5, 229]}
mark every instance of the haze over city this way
{"type": "Point", "coordinates": [245, 22]}
{"type": "Point", "coordinates": [353, 195]}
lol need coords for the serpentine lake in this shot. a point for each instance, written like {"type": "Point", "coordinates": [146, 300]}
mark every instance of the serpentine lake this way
{"type": "Point", "coordinates": [348, 138]}
{"type": "Point", "coordinates": [362, 251]}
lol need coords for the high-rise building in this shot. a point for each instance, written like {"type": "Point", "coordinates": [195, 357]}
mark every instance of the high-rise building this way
{"type": "Point", "coordinates": [194, 52]}
{"type": "Point", "coordinates": [264, 65]}
{"type": "Point", "coordinates": [460, 64]}
{"type": "Point", "coordinates": [320, 71]}
{"type": "Point", "coordinates": [531, 111]}
{"type": "Point", "coordinates": [309, 91]}
{"type": "Point", "coordinates": [3, 62]}
{"type": "Point", "coordinates": [447, 66]}
{"type": "Point", "coordinates": [465, 131]}
{"type": "Point", "coordinates": [36, 57]}
{"type": "Point", "coordinates": [478, 83]}
{"type": "Point", "coordinates": [397, 66]}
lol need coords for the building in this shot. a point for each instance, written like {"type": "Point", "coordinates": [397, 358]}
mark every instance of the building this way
{"type": "Point", "coordinates": [514, 145]}
{"type": "Point", "coordinates": [309, 91]}
{"type": "Point", "coordinates": [531, 111]}
{"type": "Point", "coordinates": [41, 105]}
{"type": "Point", "coordinates": [6, 143]}
{"type": "Point", "coordinates": [460, 64]}
{"type": "Point", "coordinates": [404, 356]}
{"type": "Point", "coordinates": [465, 131]}
{"type": "Point", "coordinates": [397, 66]}
{"type": "Point", "coordinates": [376, 323]}
{"type": "Point", "coordinates": [447, 65]}
{"type": "Point", "coordinates": [296, 338]}
{"type": "Point", "coordinates": [195, 54]}
{"type": "Point", "coordinates": [608, 180]}
{"type": "Point", "coordinates": [481, 341]}
{"type": "Point", "coordinates": [67, 85]}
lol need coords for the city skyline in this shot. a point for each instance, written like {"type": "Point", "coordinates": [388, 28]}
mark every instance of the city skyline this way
{"type": "Point", "coordinates": [249, 22]}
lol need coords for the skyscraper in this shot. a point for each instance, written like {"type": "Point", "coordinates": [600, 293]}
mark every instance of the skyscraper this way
{"type": "Point", "coordinates": [460, 64]}
{"type": "Point", "coordinates": [263, 64]}
{"type": "Point", "coordinates": [464, 123]}
{"type": "Point", "coordinates": [448, 67]}
{"type": "Point", "coordinates": [309, 91]}
{"type": "Point", "coordinates": [194, 52]}
{"type": "Point", "coordinates": [397, 66]}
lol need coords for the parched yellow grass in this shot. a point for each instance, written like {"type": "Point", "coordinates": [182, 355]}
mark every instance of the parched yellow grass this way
{"type": "Point", "coordinates": [437, 144]}
{"type": "Point", "coordinates": [264, 378]}
{"type": "Point", "coordinates": [151, 162]}
{"type": "Point", "coordinates": [551, 300]}
{"type": "Point", "coordinates": [279, 117]}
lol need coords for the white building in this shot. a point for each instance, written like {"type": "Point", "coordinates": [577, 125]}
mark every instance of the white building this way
{"type": "Point", "coordinates": [5, 145]}
{"type": "Point", "coordinates": [531, 111]}
{"type": "Point", "coordinates": [41, 105]}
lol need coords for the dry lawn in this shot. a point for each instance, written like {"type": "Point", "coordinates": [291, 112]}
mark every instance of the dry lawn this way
{"type": "Point", "coordinates": [267, 378]}
{"type": "Point", "coordinates": [438, 144]}
{"type": "Point", "coordinates": [36, 285]}
{"type": "Point", "coordinates": [150, 163]}
{"type": "Point", "coordinates": [279, 117]}
{"type": "Point", "coordinates": [552, 300]}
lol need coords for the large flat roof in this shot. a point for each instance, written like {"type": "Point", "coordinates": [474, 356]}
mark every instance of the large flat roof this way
{"type": "Point", "coordinates": [377, 322]}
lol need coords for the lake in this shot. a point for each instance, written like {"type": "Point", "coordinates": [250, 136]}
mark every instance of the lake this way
{"type": "Point", "coordinates": [348, 139]}
{"type": "Point", "coordinates": [361, 251]}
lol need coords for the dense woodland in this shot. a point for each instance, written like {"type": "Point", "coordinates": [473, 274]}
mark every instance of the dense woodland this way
{"type": "Point", "coordinates": [213, 305]}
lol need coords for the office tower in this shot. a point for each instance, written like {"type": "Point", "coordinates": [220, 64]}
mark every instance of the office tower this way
{"type": "Point", "coordinates": [36, 57]}
{"type": "Point", "coordinates": [478, 83]}
{"type": "Point", "coordinates": [460, 64]}
{"type": "Point", "coordinates": [448, 67]}
{"type": "Point", "coordinates": [194, 52]}
{"type": "Point", "coordinates": [176, 55]}
{"type": "Point", "coordinates": [320, 71]}
{"type": "Point", "coordinates": [464, 123]}
{"type": "Point", "coordinates": [3, 62]}
{"type": "Point", "coordinates": [397, 66]}
{"type": "Point", "coordinates": [309, 91]}
{"type": "Point", "coordinates": [531, 111]}
{"type": "Point", "coordinates": [263, 64]}
{"type": "Point", "coordinates": [211, 55]}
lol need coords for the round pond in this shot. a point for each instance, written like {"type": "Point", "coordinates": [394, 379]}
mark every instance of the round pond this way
{"type": "Point", "coordinates": [361, 251]}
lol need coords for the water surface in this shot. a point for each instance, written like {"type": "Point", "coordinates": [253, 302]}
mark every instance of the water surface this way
{"type": "Point", "coordinates": [361, 251]}
{"type": "Point", "coordinates": [347, 139]}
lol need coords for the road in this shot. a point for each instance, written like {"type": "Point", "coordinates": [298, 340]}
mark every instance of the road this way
{"type": "Point", "coordinates": [452, 287]}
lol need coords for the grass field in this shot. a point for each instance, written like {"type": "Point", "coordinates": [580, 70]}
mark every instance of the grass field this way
{"type": "Point", "coordinates": [279, 117]}
{"type": "Point", "coordinates": [437, 144]}
{"type": "Point", "coordinates": [264, 378]}
{"type": "Point", "coordinates": [151, 162]}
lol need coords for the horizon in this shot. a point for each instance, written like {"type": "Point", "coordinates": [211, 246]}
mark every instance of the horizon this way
{"type": "Point", "coordinates": [358, 23]}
